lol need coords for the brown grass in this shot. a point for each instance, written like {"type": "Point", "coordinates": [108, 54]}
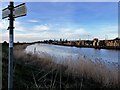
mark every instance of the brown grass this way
{"type": "Point", "coordinates": [84, 69]}
{"type": "Point", "coordinates": [96, 71]}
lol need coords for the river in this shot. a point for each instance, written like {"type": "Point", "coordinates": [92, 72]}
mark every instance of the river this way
{"type": "Point", "coordinates": [63, 52]}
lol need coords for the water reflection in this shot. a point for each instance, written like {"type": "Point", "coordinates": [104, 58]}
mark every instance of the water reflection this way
{"type": "Point", "coordinates": [63, 52]}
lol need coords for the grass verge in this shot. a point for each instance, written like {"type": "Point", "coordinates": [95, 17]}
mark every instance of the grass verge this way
{"type": "Point", "coordinates": [32, 71]}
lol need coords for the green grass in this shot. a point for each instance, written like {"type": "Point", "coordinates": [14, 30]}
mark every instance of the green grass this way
{"type": "Point", "coordinates": [32, 71]}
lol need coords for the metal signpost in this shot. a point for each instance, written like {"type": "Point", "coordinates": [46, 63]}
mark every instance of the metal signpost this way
{"type": "Point", "coordinates": [12, 12]}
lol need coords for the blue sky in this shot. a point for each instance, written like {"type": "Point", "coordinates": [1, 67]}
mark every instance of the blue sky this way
{"type": "Point", "coordinates": [68, 20]}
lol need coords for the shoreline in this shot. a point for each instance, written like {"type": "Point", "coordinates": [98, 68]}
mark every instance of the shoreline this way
{"type": "Point", "coordinates": [97, 47]}
{"type": "Point", "coordinates": [108, 60]}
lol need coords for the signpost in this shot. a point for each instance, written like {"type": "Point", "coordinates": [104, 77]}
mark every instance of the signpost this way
{"type": "Point", "coordinates": [12, 12]}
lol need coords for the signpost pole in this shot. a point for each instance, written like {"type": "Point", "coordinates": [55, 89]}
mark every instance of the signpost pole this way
{"type": "Point", "coordinates": [10, 64]}
{"type": "Point", "coordinates": [12, 12]}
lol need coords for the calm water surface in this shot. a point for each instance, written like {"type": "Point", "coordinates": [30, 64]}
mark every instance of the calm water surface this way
{"type": "Point", "coordinates": [105, 55]}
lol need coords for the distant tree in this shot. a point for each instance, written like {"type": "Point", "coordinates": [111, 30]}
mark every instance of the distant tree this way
{"type": "Point", "coordinates": [66, 41]}
{"type": "Point", "coordinates": [60, 39]}
{"type": "Point", "coordinates": [24, 42]}
{"type": "Point", "coordinates": [18, 42]}
{"type": "Point", "coordinates": [45, 41]}
{"type": "Point", "coordinates": [102, 43]}
{"type": "Point", "coordinates": [54, 40]}
{"type": "Point", "coordinates": [4, 42]}
{"type": "Point", "coordinates": [50, 41]}
{"type": "Point", "coordinates": [117, 38]}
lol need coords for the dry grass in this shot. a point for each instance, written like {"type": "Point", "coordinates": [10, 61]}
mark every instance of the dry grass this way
{"type": "Point", "coordinates": [96, 71]}
{"type": "Point", "coordinates": [84, 69]}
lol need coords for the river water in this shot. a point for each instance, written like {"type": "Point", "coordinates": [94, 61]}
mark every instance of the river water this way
{"type": "Point", "coordinates": [60, 52]}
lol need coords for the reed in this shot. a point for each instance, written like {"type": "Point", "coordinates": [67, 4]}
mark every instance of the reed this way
{"type": "Point", "coordinates": [41, 71]}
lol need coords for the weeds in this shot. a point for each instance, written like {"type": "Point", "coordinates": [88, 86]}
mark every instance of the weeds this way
{"type": "Point", "coordinates": [40, 71]}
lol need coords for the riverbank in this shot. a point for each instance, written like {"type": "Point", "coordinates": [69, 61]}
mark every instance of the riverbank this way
{"type": "Point", "coordinates": [32, 71]}
{"type": "Point", "coordinates": [95, 47]}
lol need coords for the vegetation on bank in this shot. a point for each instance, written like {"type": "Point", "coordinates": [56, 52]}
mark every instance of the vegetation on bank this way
{"type": "Point", "coordinates": [32, 71]}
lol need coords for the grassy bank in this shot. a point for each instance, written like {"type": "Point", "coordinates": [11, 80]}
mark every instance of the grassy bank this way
{"type": "Point", "coordinates": [33, 71]}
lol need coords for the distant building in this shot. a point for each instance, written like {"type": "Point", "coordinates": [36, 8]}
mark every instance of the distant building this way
{"type": "Point", "coordinates": [95, 42]}
{"type": "Point", "coordinates": [110, 43]}
{"type": "Point", "coordinates": [115, 42]}
{"type": "Point", "coordinates": [70, 43]}
{"type": "Point", "coordinates": [89, 43]}
{"type": "Point", "coordinates": [80, 43]}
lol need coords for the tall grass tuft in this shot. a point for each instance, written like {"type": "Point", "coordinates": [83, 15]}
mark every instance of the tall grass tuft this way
{"type": "Point", "coordinates": [41, 71]}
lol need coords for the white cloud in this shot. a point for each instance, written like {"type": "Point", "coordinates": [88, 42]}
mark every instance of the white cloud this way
{"type": "Point", "coordinates": [66, 33]}
{"type": "Point", "coordinates": [19, 27]}
{"type": "Point", "coordinates": [33, 21]}
{"type": "Point", "coordinates": [4, 24]}
{"type": "Point", "coordinates": [110, 29]}
{"type": "Point", "coordinates": [5, 36]}
{"type": "Point", "coordinates": [41, 28]}
{"type": "Point", "coordinates": [45, 31]}
{"type": "Point", "coordinates": [74, 33]}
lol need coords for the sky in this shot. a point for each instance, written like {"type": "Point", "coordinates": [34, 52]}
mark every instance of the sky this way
{"type": "Point", "coordinates": [62, 0]}
{"type": "Point", "coordinates": [66, 20]}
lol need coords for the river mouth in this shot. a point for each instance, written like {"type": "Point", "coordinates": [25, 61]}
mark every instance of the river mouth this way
{"type": "Point", "coordinates": [62, 54]}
